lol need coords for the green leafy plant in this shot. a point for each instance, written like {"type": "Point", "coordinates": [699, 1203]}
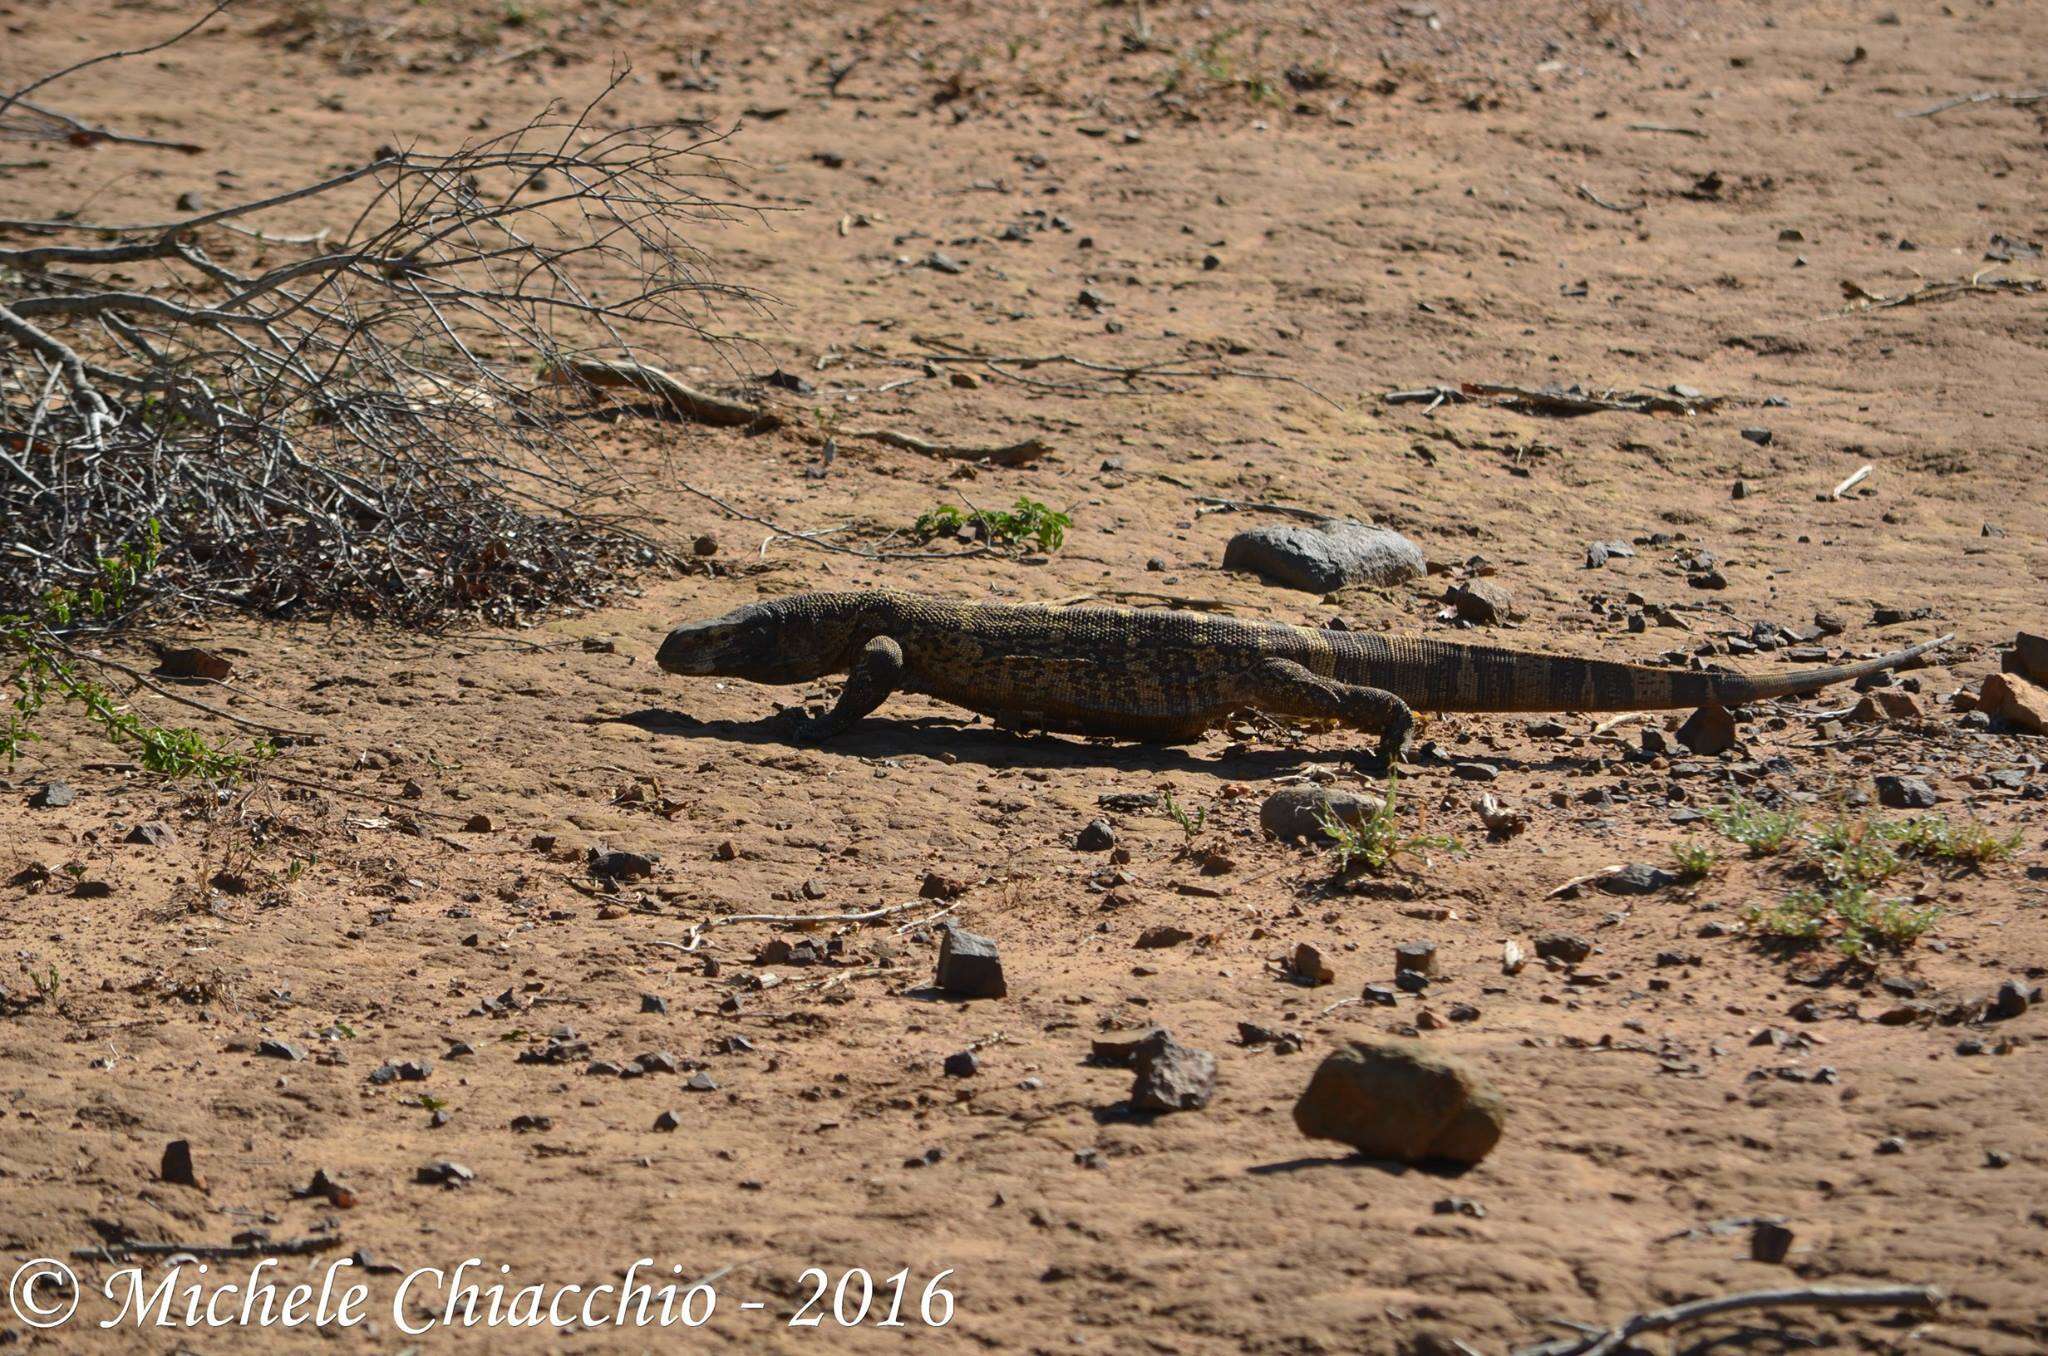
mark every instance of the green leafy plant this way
{"type": "Point", "coordinates": [1191, 824]}
{"type": "Point", "coordinates": [1969, 843]}
{"type": "Point", "coordinates": [1857, 924]}
{"type": "Point", "coordinates": [1695, 861]}
{"type": "Point", "coordinates": [33, 641]}
{"type": "Point", "coordinates": [1377, 839]}
{"type": "Point", "coordinates": [1029, 521]}
{"type": "Point", "coordinates": [1763, 831]}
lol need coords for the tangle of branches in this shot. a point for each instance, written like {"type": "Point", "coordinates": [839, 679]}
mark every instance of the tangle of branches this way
{"type": "Point", "coordinates": [348, 420]}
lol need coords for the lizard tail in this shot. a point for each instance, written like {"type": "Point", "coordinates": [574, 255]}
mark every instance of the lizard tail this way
{"type": "Point", "coordinates": [1478, 678]}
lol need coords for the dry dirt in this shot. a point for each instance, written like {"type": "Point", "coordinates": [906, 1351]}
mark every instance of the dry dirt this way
{"type": "Point", "coordinates": [1422, 209]}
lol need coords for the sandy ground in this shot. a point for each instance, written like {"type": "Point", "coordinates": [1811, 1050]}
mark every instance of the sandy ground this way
{"type": "Point", "coordinates": [1442, 192]}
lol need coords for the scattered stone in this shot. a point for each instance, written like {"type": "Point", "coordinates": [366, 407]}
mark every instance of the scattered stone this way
{"type": "Point", "coordinates": [270, 1049]}
{"type": "Point", "coordinates": [1380, 996]}
{"type": "Point", "coordinates": [962, 1064]}
{"type": "Point", "coordinates": [193, 664]}
{"type": "Point", "coordinates": [1482, 601]}
{"type": "Point", "coordinates": [969, 965]}
{"type": "Point", "coordinates": [1307, 966]}
{"type": "Point", "coordinates": [445, 1173]}
{"type": "Point", "coordinates": [1905, 793]}
{"type": "Point", "coordinates": [1119, 1050]}
{"type": "Point", "coordinates": [1283, 1042]}
{"type": "Point", "coordinates": [1886, 704]}
{"type": "Point", "coordinates": [1760, 436]}
{"type": "Point", "coordinates": [1568, 947]}
{"type": "Point", "coordinates": [1098, 836]}
{"type": "Point", "coordinates": [1171, 1076]}
{"type": "Point", "coordinates": [479, 823]}
{"type": "Point", "coordinates": [1163, 936]}
{"type": "Point", "coordinates": [2012, 1000]}
{"type": "Point", "coordinates": [1997, 1158]}
{"type": "Point", "coordinates": [324, 1186]}
{"type": "Point", "coordinates": [2012, 699]}
{"type": "Point", "coordinates": [1502, 819]}
{"type": "Point", "coordinates": [618, 865]}
{"type": "Point", "coordinates": [51, 796]}
{"type": "Point", "coordinates": [177, 1168]}
{"type": "Point", "coordinates": [654, 1003]}
{"type": "Point", "coordinates": [152, 833]}
{"type": "Point", "coordinates": [1417, 958]}
{"type": "Point", "coordinates": [411, 1071]}
{"type": "Point", "coordinates": [1398, 1100]}
{"type": "Point", "coordinates": [1637, 878]}
{"type": "Point", "coordinates": [1769, 1242]}
{"type": "Point", "coordinates": [1459, 1205]}
{"type": "Point", "coordinates": [936, 886]}
{"type": "Point", "coordinates": [1708, 731]}
{"type": "Point", "coordinates": [667, 1121]}
{"type": "Point", "coordinates": [655, 1062]}
{"type": "Point", "coordinates": [1296, 812]}
{"type": "Point", "coordinates": [1512, 958]}
{"type": "Point", "coordinates": [938, 261]}
{"type": "Point", "coordinates": [1325, 557]}
{"type": "Point", "coordinates": [1891, 1144]}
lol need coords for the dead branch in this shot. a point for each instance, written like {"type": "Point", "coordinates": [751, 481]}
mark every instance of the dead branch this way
{"type": "Point", "coordinates": [1989, 96]}
{"type": "Point", "coordinates": [687, 401]}
{"type": "Point", "coordinates": [1569, 401]}
{"type": "Point", "coordinates": [1211, 504]}
{"type": "Point", "coordinates": [209, 1252]}
{"type": "Point", "coordinates": [1862, 299]}
{"type": "Point", "coordinates": [1605, 1342]}
{"type": "Point", "coordinates": [945, 351]}
{"type": "Point", "coordinates": [1005, 454]}
{"type": "Point", "coordinates": [351, 424]}
{"type": "Point", "coordinates": [1590, 196]}
{"type": "Point", "coordinates": [796, 920]}
{"type": "Point", "coordinates": [180, 698]}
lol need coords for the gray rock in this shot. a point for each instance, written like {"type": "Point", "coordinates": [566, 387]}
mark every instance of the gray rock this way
{"type": "Point", "coordinates": [154, 833]}
{"type": "Point", "coordinates": [1296, 812]}
{"type": "Point", "coordinates": [1483, 601]}
{"type": "Point", "coordinates": [619, 865]}
{"type": "Point", "coordinates": [1172, 1076]}
{"type": "Point", "coordinates": [969, 965]}
{"type": "Point", "coordinates": [1398, 1100]}
{"type": "Point", "coordinates": [1326, 556]}
{"type": "Point", "coordinates": [1906, 793]}
{"type": "Point", "coordinates": [1119, 1049]}
{"type": "Point", "coordinates": [53, 796]}
{"type": "Point", "coordinates": [1568, 947]}
{"type": "Point", "coordinates": [281, 1050]}
{"type": "Point", "coordinates": [1708, 731]}
{"type": "Point", "coordinates": [1637, 878]}
{"type": "Point", "coordinates": [1096, 836]}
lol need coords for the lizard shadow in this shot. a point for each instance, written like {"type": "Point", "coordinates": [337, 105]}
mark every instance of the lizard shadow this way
{"type": "Point", "coordinates": [931, 737]}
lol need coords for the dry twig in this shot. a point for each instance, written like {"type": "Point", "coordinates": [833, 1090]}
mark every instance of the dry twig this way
{"type": "Point", "coordinates": [1606, 1342]}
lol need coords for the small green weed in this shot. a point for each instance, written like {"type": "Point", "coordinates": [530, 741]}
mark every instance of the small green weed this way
{"type": "Point", "coordinates": [1763, 831]}
{"type": "Point", "coordinates": [1029, 521]}
{"type": "Point", "coordinates": [43, 668]}
{"type": "Point", "coordinates": [1191, 824]}
{"type": "Point", "coordinates": [1695, 861]}
{"type": "Point", "coordinates": [1376, 840]}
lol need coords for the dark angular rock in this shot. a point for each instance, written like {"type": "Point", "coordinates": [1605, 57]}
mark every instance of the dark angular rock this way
{"type": "Point", "coordinates": [176, 1167]}
{"type": "Point", "coordinates": [1769, 1242]}
{"type": "Point", "coordinates": [618, 865]}
{"type": "Point", "coordinates": [281, 1050]}
{"type": "Point", "coordinates": [1568, 947]}
{"type": "Point", "coordinates": [962, 1064]}
{"type": "Point", "coordinates": [1637, 878]}
{"type": "Point", "coordinates": [51, 796]}
{"type": "Point", "coordinates": [969, 965]}
{"type": "Point", "coordinates": [1171, 1076]}
{"type": "Point", "coordinates": [153, 833]}
{"type": "Point", "coordinates": [1708, 731]}
{"type": "Point", "coordinates": [1905, 793]}
{"type": "Point", "coordinates": [1119, 1049]}
{"type": "Point", "coordinates": [1484, 601]}
{"type": "Point", "coordinates": [1326, 556]}
{"type": "Point", "coordinates": [1398, 1100]}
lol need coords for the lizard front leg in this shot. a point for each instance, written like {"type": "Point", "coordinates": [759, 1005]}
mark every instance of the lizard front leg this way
{"type": "Point", "coordinates": [876, 672]}
{"type": "Point", "coordinates": [1282, 687]}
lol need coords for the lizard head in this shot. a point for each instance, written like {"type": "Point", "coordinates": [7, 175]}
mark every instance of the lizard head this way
{"type": "Point", "coordinates": [764, 643]}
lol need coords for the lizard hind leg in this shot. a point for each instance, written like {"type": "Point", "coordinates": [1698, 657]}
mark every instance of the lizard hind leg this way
{"type": "Point", "coordinates": [877, 671]}
{"type": "Point", "coordinates": [1281, 687]}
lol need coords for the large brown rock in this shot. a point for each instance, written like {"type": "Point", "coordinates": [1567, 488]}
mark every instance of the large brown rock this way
{"type": "Point", "coordinates": [2015, 701]}
{"type": "Point", "coordinates": [1400, 1100]}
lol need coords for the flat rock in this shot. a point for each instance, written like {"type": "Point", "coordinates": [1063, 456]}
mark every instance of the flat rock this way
{"type": "Point", "coordinates": [153, 833]}
{"type": "Point", "coordinates": [1326, 556]}
{"type": "Point", "coordinates": [1398, 1100]}
{"type": "Point", "coordinates": [969, 965]}
{"type": "Point", "coordinates": [1296, 812]}
{"type": "Point", "coordinates": [1637, 878]}
{"type": "Point", "coordinates": [1119, 1049]}
{"type": "Point", "coordinates": [52, 796]}
{"type": "Point", "coordinates": [1171, 1076]}
{"type": "Point", "coordinates": [1568, 947]}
